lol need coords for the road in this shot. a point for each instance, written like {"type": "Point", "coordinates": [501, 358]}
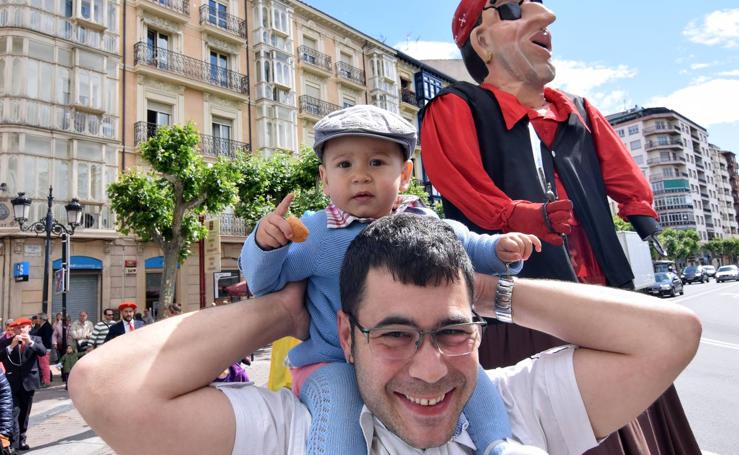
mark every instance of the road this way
{"type": "Point", "coordinates": [709, 387]}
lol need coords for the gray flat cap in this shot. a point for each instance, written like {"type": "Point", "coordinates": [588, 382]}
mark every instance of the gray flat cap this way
{"type": "Point", "coordinates": [368, 121]}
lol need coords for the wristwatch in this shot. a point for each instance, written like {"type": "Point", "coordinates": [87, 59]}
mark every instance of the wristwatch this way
{"type": "Point", "coordinates": [504, 298]}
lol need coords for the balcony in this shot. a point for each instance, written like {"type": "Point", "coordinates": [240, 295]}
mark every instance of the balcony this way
{"type": "Point", "coordinates": [231, 24]}
{"type": "Point", "coordinates": [177, 10]}
{"type": "Point", "coordinates": [28, 112]}
{"type": "Point", "coordinates": [190, 68]}
{"type": "Point", "coordinates": [212, 146]}
{"type": "Point", "coordinates": [351, 74]}
{"type": "Point", "coordinates": [232, 225]}
{"type": "Point", "coordinates": [409, 97]}
{"type": "Point", "coordinates": [315, 107]}
{"type": "Point", "coordinates": [677, 159]}
{"type": "Point", "coordinates": [315, 59]}
{"type": "Point", "coordinates": [673, 143]}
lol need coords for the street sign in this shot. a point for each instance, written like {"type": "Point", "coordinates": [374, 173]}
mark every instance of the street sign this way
{"type": "Point", "coordinates": [59, 281]}
{"type": "Point", "coordinates": [213, 246]}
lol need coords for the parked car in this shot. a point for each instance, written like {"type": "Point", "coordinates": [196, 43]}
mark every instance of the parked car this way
{"type": "Point", "coordinates": [710, 271]}
{"type": "Point", "coordinates": [726, 273]}
{"type": "Point", "coordinates": [666, 284]}
{"type": "Point", "coordinates": [694, 273]}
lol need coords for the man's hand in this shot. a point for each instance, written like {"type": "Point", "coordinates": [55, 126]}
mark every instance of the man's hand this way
{"type": "Point", "coordinates": [273, 230]}
{"type": "Point", "coordinates": [516, 246]}
{"type": "Point", "coordinates": [15, 342]}
{"type": "Point", "coordinates": [546, 221]}
{"type": "Point", "coordinates": [292, 302]}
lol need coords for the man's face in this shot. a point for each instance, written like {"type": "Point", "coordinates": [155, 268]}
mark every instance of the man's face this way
{"type": "Point", "coordinates": [363, 175]}
{"type": "Point", "coordinates": [521, 49]}
{"type": "Point", "coordinates": [23, 330]}
{"type": "Point", "coordinates": [393, 389]}
{"type": "Point", "coordinates": [108, 315]}
{"type": "Point", "coordinates": [83, 317]}
{"type": "Point", "coordinates": [127, 314]}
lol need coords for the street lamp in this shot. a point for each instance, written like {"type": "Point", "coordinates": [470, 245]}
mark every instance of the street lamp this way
{"type": "Point", "coordinates": [48, 226]}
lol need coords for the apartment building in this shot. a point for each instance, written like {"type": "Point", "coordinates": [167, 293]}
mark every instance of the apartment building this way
{"type": "Point", "coordinates": [687, 174]}
{"type": "Point", "coordinates": [59, 127]}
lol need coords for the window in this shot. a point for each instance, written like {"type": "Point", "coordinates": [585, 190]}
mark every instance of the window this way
{"type": "Point", "coordinates": [313, 90]}
{"type": "Point", "coordinates": [279, 20]}
{"type": "Point", "coordinates": [63, 85]}
{"type": "Point", "coordinates": [219, 68]}
{"type": "Point", "coordinates": [639, 159]}
{"type": "Point", "coordinates": [217, 13]}
{"type": "Point", "coordinates": [346, 58]}
{"type": "Point", "coordinates": [89, 89]}
{"type": "Point", "coordinates": [282, 70]}
{"type": "Point", "coordinates": [310, 42]}
{"type": "Point", "coordinates": [2, 76]}
{"type": "Point", "coordinates": [221, 136]}
{"type": "Point", "coordinates": [348, 101]}
{"type": "Point", "coordinates": [635, 145]}
{"type": "Point", "coordinates": [158, 47]}
{"type": "Point", "coordinates": [634, 129]}
{"type": "Point", "coordinates": [158, 114]}
{"type": "Point", "coordinates": [621, 133]}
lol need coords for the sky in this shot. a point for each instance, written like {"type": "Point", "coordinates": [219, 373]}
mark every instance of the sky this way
{"type": "Point", "coordinates": [679, 54]}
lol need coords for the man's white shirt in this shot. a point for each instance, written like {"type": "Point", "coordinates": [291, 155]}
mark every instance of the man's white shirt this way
{"type": "Point", "coordinates": [540, 393]}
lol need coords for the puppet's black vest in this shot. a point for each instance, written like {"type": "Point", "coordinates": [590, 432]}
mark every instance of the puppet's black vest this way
{"type": "Point", "coordinates": [507, 158]}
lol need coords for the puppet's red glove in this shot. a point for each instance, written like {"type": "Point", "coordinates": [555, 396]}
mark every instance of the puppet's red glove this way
{"type": "Point", "coordinates": [546, 221]}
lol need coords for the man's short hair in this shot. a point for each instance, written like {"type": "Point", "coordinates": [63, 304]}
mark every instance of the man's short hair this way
{"type": "Point", "coordinates": [415, 249]}
{"type": "Point", "coordinates": [43, 316]}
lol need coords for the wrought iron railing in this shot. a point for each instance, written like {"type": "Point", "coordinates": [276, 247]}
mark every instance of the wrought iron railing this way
{"type": "Point", "coordinates": [315, 58]}
{"type": "Point", "coordinates": [316, 107]}
{"type": "Point", "coordinates": [225, 21]}
{"type": "Point", "coordinates": [346, 71]}
{"type": "Point", "coordinates": [409, 97]}
{"type": "Point", "coordinates": [190, 68]}
{"type": "Point", "coordinates": [232, 225]}
{"type": "Point", "coordinates": [180, 6]}
{"type": "Point", "coordinates": [209, 145]}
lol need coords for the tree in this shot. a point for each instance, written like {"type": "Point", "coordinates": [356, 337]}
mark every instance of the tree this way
{"type": "Point", "coordinates": [680, 244]}
{"type": "Point", "coordinates": [622, 225]}
{"type": "Point", "coordinates": [164, 204]}
{"type": "Point", "coordinates": [716, 247]}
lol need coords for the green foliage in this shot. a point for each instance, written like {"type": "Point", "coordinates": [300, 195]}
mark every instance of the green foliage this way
{"type": "Point", "coordinates": [680, 244]}
{"type": "Point", "coordinates": [622, 225]}
{"type": "Point", "coordinates": [164, 204]}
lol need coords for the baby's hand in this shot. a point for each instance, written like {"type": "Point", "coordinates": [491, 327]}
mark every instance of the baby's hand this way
{"type": "Point", "coordinates": [274, 231]}
{"type": "Point", "coordinates": [515, 246]}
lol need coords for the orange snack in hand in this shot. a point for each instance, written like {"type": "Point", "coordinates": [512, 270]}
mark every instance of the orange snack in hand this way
{"type": "Point", "coordinates": [300, 232]}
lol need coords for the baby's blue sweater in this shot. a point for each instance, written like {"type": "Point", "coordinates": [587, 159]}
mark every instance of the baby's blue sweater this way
{"type": "Point", "coordinates": [319, 260]}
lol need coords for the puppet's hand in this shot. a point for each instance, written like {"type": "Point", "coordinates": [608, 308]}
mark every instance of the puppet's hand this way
{"type": "Point", "coordinates": [546, 221]}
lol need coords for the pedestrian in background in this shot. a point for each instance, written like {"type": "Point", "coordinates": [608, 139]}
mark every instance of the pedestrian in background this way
{"type": "Point", "coordinates": [58, 343]}
{"type": "Point", "coordinates": [147, 318]}
{"type": "Point", "coordinates": [68, 360]}
{"type": "Point", "coordinates": [45, 331]}
{"type": "Point", "coordinates": [100, 331]}
{"type": "Point", "coordinates": [20, 356]}
{"type": "Point", "coordinates": [82, 331]}
{"type": "Point", "coordinates": [127, 322]}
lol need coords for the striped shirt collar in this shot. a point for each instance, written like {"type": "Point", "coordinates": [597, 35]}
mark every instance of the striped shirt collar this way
{"type": "Point", "coordinates": [337, 218]}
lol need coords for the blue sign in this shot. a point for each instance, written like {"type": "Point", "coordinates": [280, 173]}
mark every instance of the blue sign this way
{"type": "Point", "coordinates": [20, 271]}
{"type": "Point", "coordinates": [80, 263]}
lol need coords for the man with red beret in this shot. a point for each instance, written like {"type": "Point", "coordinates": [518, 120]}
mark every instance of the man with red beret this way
{"type": "Point", "coordinates": [19, 356]}
{"type": "Point", "coordinates": [512, 154]}
{"type": "Point", "coordinates": [127, 322]}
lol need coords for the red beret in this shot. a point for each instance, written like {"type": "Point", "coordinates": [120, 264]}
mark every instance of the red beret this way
{"type": "Point", "coordinates": [125, 305]}
{"type": "Point", "coordinates": [465, 18]}
{"type": "Point", "coordinates": [20, 322]}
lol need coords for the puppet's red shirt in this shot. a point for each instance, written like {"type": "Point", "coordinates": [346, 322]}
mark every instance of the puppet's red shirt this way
{"type": "Point", "coordinates": [459, 175]}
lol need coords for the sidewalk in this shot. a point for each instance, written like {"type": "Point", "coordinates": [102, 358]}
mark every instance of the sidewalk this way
{"type": "Point", "coordinates": [56, 428]}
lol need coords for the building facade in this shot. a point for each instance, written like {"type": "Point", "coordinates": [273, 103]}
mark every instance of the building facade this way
{"type": "Point", "coordinates": [686, 173]}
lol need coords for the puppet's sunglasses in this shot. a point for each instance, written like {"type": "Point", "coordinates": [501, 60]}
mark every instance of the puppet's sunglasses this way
{"type": "Point", "coordinates": [510, 11]}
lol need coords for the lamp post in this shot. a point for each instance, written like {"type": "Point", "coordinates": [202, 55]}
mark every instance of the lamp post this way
{"type": "Point", "coordinates": [48, 225]}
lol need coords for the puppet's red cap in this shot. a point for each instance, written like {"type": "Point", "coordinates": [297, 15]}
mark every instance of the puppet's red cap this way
{"type": "Point", "coordinates": [465, 18]}
{"type": "Point", "coordinates": [20, 322]}
{"type": "Point", "coordinates": [125, 305]}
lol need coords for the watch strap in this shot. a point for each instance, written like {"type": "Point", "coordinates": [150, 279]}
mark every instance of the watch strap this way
{"type": "Point", "coordinates": [504, 299]}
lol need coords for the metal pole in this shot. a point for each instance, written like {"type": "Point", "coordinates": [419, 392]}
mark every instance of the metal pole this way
{"type": "Point", "coordinates": [47, 247]}
{"type": "Point", "coordinates": [65, 267]}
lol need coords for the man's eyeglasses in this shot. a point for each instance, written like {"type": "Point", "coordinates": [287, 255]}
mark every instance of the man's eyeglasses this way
{"type": "Point", "coordinates": [400, 342]}
{"type": "Point", "coordinates": [109, 314]}
{"type": "Point", "coordinates": [510, 11]}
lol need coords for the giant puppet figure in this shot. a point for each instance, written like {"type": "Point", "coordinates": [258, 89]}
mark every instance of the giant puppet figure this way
{"type": "Point", "coordinates": [511, 154]}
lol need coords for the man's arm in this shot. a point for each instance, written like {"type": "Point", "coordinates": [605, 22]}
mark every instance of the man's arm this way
{"type": "Point", "coordinates": [632, 346]}
{"type": "Point", "coordinates": [143, 383]}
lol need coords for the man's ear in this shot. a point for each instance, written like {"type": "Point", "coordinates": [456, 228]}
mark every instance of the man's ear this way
{"type": "Point", "coordinates": [324, 178]}
{"type": "Point", "coordinates": [405, 175]}
{"type": "Point", "coordinates": [479, 43]}
{"type": "Point", "coordinates": [345, 335]}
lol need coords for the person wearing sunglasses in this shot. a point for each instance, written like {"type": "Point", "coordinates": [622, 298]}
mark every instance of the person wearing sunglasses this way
{"type": "Point", "coordinates": [408, 327]}
{"type": "Point", "coordinates": [511, 153]}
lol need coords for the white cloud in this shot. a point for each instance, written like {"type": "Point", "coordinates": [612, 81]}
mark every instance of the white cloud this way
{"type": "Point", "coordinates": [718, 28]}
{"type": "Point", "coordinates": [429, 50]}
{"type": "Point", "coordinates": [583, 78]}
{"type": "Point", "coordinates": [708, 103]}
{"type": "Point", "coordinates": [733, 73]}
{"type": "Point", "coordinates": [699, 66]}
